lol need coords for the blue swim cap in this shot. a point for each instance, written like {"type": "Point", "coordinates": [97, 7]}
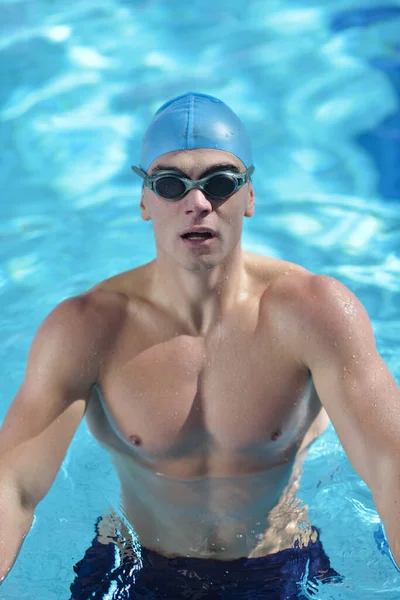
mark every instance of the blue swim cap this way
{"type": "Point", "coordinates": [195, 121]}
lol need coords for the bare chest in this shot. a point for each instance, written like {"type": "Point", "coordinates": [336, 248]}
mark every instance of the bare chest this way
{"type": "Point", "coordinates": [214, 404]}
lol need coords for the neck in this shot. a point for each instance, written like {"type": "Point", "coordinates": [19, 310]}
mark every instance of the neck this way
{"type": "Point", "coordinates": [199, 298]}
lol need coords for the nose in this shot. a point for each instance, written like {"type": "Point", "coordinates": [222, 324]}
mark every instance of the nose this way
{"type": "Point", "coordinates": [196, 202]}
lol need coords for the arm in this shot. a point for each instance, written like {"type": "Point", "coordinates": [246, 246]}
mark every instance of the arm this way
{"type": "Point", "coordinates": [43, 417]}
{"type": "Point", "coordinates": [333, 338]}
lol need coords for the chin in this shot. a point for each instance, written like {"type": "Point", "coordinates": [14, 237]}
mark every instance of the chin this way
{"type": "Point", "coordinates": [200, 265]}
{"type": "Point", "coordinates": [202, 262]}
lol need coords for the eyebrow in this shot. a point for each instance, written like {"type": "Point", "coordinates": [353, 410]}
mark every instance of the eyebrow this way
{"type": "Point", "coordinates": [218, 167]}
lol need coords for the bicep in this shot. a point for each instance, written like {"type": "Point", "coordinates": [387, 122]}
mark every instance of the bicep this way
{"type": "Point", "coordinates": [363, 403]}
{"type": "Point", "coordinates": [355, 386]}
{"type": "Point", "coordinates": [50, 404]}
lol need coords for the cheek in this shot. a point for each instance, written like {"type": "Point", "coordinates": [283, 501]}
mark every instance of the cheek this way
{"type": "Point", "coordinates": [233, 213]}
{"type": "Point", "coordinates": [164, 218]}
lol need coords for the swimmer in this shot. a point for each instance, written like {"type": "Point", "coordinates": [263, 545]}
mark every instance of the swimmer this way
{"type": "Point", "coordinates": [206, 374]}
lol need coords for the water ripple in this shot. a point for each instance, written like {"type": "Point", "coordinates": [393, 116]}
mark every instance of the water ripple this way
{"type": "Point", "coordinates": [317, 86]}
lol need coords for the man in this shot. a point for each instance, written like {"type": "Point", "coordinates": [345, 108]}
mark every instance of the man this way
{"type": "Point", "coordinates": [206, 374]}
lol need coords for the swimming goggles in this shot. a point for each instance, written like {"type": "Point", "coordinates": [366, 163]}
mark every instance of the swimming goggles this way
{"type": "Point", "coordinates": [216, 186]}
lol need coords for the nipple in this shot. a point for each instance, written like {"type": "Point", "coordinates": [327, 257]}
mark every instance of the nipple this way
{"type": "Point", "coordinates": [276, 435]}
{"type": "Point", "coordinates": [135, 439]}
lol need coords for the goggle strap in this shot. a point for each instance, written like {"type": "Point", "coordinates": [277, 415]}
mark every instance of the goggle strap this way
{"type": "Point", "coordinates": [140, 172]}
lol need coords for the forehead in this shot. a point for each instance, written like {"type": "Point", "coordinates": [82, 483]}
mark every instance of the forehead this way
{"type": "Point", "coordinates": [195, 162]}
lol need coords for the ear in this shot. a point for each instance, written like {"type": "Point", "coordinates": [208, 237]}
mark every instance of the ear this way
{"type": "Point", "coordinates": [144, 208]}
{"type": "Point", "coordinates": [249, 212]}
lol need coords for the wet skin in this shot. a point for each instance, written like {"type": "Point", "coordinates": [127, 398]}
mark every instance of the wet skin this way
{"type": "Point", "coordinates": [202, 410]}
{"type": "Point", "coordinates": [206, 432]}
{"type": "Point", "coordinates": [205, 374]}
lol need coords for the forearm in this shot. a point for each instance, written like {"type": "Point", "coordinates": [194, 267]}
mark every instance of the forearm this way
{"type": "Point", "coordinates": [387, 503]}
{"type": "Point", "coordinates": [15, 523]}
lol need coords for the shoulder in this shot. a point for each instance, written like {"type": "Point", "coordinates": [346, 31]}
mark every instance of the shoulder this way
{"type": "Point", "coordinates": [94, 311]}
{"type": "Point", "coordinates": [79, 330]}
{"type": "Point", "coordinates": [320, 297]}
{"type": "Point", "coordinates": [101, 310]}
{"type": "Point", "coordinates": [318, 311]}
{"type": "Point", "coordinates": [96, 316]}
{"type": "Point", "coordinates": [266, 270]}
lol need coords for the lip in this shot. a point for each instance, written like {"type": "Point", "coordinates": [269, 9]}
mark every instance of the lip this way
{"type": "Point", "coordinates": [199, 243]}
{"type": "Point", "coordinates": [198, 228]}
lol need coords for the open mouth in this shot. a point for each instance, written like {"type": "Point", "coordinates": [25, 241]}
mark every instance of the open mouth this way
{"type": "Point", "coordinates": [198, 235]}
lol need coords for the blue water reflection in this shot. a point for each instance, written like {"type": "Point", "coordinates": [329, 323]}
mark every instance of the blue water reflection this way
{"type": "Point", "coordinates": [317, 85]}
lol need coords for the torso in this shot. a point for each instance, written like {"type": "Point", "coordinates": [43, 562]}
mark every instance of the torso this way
{"type": "Point", "coordinates": [207, 433]}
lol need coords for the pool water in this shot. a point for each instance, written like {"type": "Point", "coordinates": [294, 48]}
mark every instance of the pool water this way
{"type": "Point", "coordinates": [317, 85]}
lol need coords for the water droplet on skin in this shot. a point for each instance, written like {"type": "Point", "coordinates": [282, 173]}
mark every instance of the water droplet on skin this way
{"type": "Point", "coordinates": [353, 356]}
{"type": "Point", "coordinates": [239, 536]}
{"type": "Point", "coordinates": [222, 547]}
{"type": "Point", "coordinates": [175, 414]}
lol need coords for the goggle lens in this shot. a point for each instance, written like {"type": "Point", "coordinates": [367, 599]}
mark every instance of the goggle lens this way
{"type": "Point", "coordinates": [170, 187]}
{"type": "Point", "coordinates": [220, 186]}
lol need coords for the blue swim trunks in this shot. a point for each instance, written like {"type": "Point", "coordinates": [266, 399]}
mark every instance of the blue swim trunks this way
{"type": "Point", "coordinates": [102, 575]}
